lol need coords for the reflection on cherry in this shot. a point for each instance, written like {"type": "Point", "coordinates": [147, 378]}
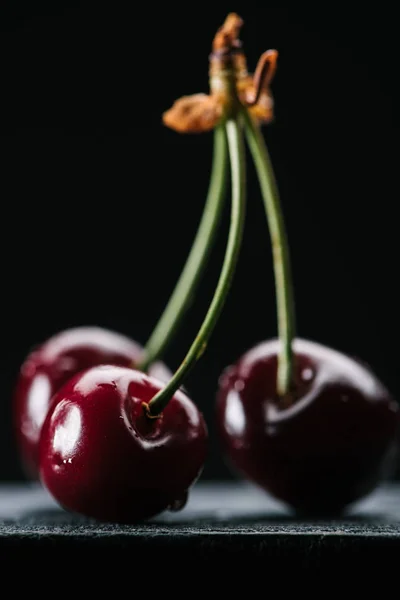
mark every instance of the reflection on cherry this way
{"type": "Point", "coordinates": [52, 364]}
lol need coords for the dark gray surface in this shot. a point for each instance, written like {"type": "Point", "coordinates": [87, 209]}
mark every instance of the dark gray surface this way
{"type": "Point", "coordinates": [212, 508]}
{"type": "Point", "coordinates": [230, 520]}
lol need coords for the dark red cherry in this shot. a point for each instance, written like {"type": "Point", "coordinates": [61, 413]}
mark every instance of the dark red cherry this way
{"type": "Point", "coordinates": [102, 457]}
{"type": "Point", "coordinates": [328, 448]}
{"type": "Point", "coordinates": [51, 364]}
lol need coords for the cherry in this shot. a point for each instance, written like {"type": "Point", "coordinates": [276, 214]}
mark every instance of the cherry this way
{"type": "Point", "coordinates": [46, 380]}
{"type": "Point", "coordinates": [117, 444]}
{"type": "Point", "coordinates": [312, 426]}
{"type": "Point", "coordinates": [102, 456]}
{"type": "Point", "coordinates": [328, 447]}
{"type": "Point", "coordinates": [51, 364]}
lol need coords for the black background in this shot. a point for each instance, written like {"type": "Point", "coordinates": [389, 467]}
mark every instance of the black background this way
{"type": "Point", "coordinates": [100, 202]}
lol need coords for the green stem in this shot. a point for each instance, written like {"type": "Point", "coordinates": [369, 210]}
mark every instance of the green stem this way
{"type": "Point", "coordinates": [190, 277]}
{"type": "Point", "coordinates": [237, 162]}
{"type": "Point", "coordinates": [280, 252]}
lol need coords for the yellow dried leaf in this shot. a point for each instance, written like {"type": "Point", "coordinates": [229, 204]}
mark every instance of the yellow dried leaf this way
{"type": "Point", "coordinates": [264, 109]}
{"type": "Point", "coordinates": [194, 114]}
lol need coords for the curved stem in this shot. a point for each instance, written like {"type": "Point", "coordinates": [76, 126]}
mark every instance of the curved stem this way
{"type": "Point", "coordinates": [185, 288]}
{"type": "Point", "coordinates": [237, 162]}
{"type": "Point", "coordinates": [280, 252]}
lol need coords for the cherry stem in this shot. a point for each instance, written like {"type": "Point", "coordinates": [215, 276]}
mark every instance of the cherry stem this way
{"type": "Point", "coordinates": [238, 205]}
{"type": "Point", "coordinates": [280, 252]}
{"type": "Point", "coordinates": [197, 259]}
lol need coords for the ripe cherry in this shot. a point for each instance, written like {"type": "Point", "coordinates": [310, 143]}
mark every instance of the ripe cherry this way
{"type": "Point", "coordinates": [324, 449]}
{"type": "Point", "coordinates": [51, 364]}
{"type": "Point", "coordinates": [310, 425]}
{"type": "Point", "coordinates": [103, 457]}
{"type": "Point", "coordinates": [119, 445]}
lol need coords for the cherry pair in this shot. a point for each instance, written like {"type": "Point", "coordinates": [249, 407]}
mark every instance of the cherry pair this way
{"type": "Point", "coordinates": [95, 449]}
{"type": "Point", "coordinates": [109, 430]}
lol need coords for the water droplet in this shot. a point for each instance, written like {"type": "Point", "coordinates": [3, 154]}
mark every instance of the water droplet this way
{"type": "Point", "coordinates": [307, 374]}
{"type": "Point", "coordinates": [66, 363]}
{"type": "Point", "coordinates": [239, 385]}
{"type": "Point", "coordinates": [179, 503]}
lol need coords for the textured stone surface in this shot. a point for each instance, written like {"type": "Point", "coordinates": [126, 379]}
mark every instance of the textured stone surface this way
{"type": "Point", "coordinates": [229, 520]}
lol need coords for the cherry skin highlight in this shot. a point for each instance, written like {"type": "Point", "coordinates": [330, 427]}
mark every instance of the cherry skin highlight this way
{"type": "Point", "coordinates": [320, 452]}
{"type": "Point", "coordinates": [101, 456]}
{"type": "Point", "coordinates": [51, 364]}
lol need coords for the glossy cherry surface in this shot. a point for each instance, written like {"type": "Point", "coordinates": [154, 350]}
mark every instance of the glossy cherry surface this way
{"type": "Point", "coordinates": [51, 364]}
{"type": "Point", "coordinates": [327, 449]}
{"type": "Point", "coordinates": [102, 457]}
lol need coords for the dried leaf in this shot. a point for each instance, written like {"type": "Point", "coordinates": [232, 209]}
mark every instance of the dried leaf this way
{"type": "Point", "coordinates": [264, 109]}
{"type": "Point", "coordinates": [227, 36]}
{"type": "Point", "coordinates": [194, 114]}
